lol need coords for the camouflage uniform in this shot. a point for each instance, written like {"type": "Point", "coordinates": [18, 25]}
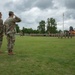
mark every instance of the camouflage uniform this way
{"type": "Point", "coordinates": [10, 31]}
{"type": "Point", "coordinates": [1, 31]}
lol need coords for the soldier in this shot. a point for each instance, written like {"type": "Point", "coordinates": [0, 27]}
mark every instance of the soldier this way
{"type": "Point", "coordinates": [1, 30]}
{"type": "Point", "coordinates": [10, 30]}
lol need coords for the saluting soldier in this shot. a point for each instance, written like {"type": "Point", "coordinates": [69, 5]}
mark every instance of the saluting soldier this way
{"type": "Point", "coordinates": [1, 31]}
{"type": "Point", "coordinates": [10, 26]}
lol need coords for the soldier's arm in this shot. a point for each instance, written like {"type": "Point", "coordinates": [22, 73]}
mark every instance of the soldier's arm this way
{"type": "Point", "coordinates": [1, 22]}
{"type": "Point", "coordinates": [17, 19]}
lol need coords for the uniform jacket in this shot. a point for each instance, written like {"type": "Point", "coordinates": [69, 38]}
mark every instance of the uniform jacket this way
{"type": "Point", "coordinates": [10, 24]}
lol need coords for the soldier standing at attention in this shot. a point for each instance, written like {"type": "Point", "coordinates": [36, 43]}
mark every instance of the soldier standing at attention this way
{"type": "Point", "coordinates": [1, 31]}
{"type": "Point", "coordinates": [10, 26]}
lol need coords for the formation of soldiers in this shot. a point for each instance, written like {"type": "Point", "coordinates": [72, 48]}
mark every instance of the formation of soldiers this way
{"type": "Point", "coordinates": [66, 34]}
{"type": "Point", "coordinates": [9, 28]}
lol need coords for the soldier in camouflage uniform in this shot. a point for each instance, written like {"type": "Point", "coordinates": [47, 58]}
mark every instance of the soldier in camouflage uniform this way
{"type": "Point", "coordinates": [1, 30]}
{"type": "Point", "coordinates": [10, 30]}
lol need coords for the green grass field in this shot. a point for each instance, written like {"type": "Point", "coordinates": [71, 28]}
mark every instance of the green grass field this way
{"type": "Point", "coordinates": [39, 56]}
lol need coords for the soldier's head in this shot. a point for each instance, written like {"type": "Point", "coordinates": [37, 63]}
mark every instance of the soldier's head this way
{"type": "Point", "coordinates": [0, 15]}
{"type": "Point", "coordinates": [11, 14]}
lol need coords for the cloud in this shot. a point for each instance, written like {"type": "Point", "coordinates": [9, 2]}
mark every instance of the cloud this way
{"type": "Point", "coordinates": [45, 4]}
{"type": "Point", "coordinates": [70, 4]}
{"type": "Point", "coordinates": [33, 11]}
{"type": "Point", "coordinates": [23, 5]}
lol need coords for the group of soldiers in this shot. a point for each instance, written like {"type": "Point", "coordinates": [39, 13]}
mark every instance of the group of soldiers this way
{"type": "Point", "coordinates": [66, 34]}
{"type": "Point", "coordinates": [9, 28]}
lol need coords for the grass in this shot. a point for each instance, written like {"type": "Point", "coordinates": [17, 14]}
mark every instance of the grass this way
{"type": "Point", "coordinates": [39, 56]}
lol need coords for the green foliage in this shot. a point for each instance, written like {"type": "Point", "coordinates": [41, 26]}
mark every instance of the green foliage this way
{"type": "Point", "coordinates": [41, 27]}
{"type": "Point", "coordinates": [51, 25]}
{"type": "Point", "coordinates": [17, 28]}
{"type": "Point", "coordinates": [71, 28]}
{"type": "Point", "coordinates": [23, 31]}
{"type": "Point", "coordinates": [29, 31]}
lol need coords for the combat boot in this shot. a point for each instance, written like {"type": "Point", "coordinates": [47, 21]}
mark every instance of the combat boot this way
{"type": "Point", "coordinates": [10, 52]}
{"type": "Point", "coordinates": [0, 52]}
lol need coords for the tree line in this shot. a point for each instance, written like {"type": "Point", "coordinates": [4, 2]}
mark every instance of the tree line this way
{"type": "Point", "coordinates": [44, 27]}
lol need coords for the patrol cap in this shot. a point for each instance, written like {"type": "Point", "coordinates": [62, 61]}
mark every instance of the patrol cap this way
{"type": "Point", "coordinates": [11, 13]}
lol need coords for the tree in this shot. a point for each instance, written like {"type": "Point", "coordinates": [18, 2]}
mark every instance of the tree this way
{"type": "Point", "coordinates": [41, 27]}
{"type": "Point", "coordinates": [23, 31]}
{"type": "Point", "coordinates": [35, 31]}
{"type": "Point", "coordinates": [71, 28]}
{"type": "Point", "coordinates": [17, 28]}
{"type": "Point", "coordinates": [28, 31]}
{"type": "Point", "coordinates": [51, 25]}
{"type": "Point", "coordinates": [59, 31]}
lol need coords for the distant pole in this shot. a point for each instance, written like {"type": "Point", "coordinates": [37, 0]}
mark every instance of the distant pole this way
{"type": "Point", "coordinates": [63, 22]}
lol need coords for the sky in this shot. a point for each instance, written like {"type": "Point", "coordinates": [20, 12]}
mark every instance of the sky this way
{"type": "Point", "coordinates": [32, 12]}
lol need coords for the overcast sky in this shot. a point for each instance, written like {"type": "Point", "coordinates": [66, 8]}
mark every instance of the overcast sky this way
{"type": "Point", "coordinates": [33, 11]}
